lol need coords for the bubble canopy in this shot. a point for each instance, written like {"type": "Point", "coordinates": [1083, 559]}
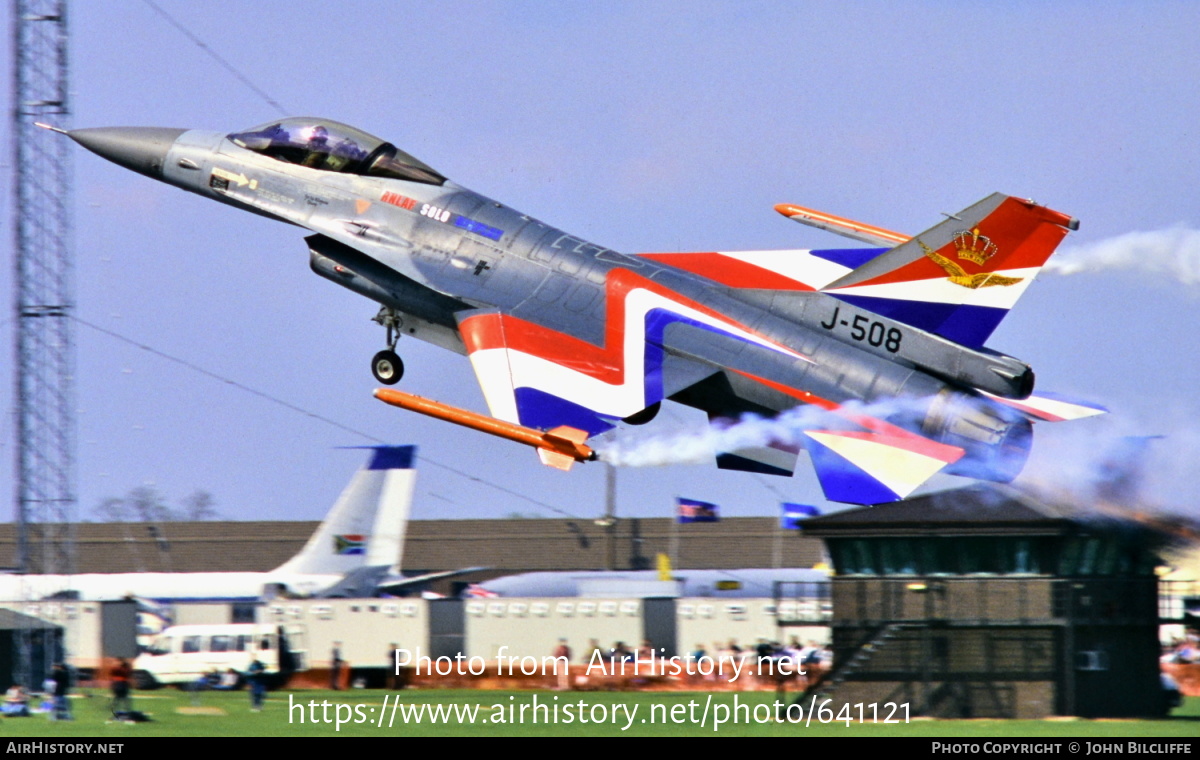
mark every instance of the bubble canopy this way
{"type": "Point", "coordinates": [334, 147]}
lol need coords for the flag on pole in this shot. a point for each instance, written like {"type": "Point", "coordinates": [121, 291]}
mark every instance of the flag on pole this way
{"type": "Point", "coordinates": [794, 514]}
{"type": "Point", "coordinates": [691, 511]}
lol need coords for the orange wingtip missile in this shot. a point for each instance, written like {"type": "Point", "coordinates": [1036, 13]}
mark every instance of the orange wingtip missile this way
{"type": "Point", "coordinates": [841, 226]}
{"type": "Point", "coordinates": [561, 447]}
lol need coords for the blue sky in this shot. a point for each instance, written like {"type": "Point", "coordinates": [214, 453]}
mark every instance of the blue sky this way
{"type": "Point", "coordinates": [640, 126]}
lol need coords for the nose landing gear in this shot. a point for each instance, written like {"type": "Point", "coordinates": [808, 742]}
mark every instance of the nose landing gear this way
{"type": "Point", "coordinates": [386, 365]}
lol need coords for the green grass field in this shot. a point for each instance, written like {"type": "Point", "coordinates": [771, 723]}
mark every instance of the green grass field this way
{"type": "Point", "coordinates": [228, 714]}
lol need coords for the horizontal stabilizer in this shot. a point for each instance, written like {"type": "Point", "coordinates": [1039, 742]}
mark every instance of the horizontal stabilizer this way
{"type": "Point", "coordinates": [1052, 407]}
{"type": "Point", "coordinates": [874, 468]}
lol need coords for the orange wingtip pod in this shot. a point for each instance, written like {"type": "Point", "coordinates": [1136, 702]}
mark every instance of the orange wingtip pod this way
{"type": "Point", "coordinates": [867, 233]}
{"type": "Point", "coordinates": [559, 448]}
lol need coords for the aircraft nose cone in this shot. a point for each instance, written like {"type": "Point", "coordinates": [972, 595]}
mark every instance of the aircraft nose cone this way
{"type": "Point", "coordinates": [142, 149]}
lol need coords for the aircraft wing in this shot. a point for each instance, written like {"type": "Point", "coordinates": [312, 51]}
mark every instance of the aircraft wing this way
{"type": "Point", "coordinates": [787, 270]}
{"type": "Point", "coordinates": [656, 344]}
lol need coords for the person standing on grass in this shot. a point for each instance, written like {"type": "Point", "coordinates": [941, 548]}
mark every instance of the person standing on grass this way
{"type": "Point", "coordinates": [121, 674]}
{"type": "Point", "coordinates": [335, 666]}
{"type": "Point", "coordinates": [62, 684]}
{"type": "Point", "coordinates": [256, 677]}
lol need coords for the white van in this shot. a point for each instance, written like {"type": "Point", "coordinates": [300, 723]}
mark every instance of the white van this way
{"type": "Point", "coordinates": [183, 654]}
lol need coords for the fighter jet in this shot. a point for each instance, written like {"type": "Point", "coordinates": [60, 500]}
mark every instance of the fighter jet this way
{"type": "Point", "coordinates": [881, 347]}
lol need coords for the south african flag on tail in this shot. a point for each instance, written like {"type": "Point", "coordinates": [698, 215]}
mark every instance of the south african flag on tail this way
{"type": "Point", "coordinates": [348, 545]}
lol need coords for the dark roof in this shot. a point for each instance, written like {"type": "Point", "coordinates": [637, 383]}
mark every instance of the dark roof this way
{"type": "Point", "coordinates": [529, 545]}
{"type": "Point", "coordinates": [12, 621]}
{"type": "Point", "coordinates": [507, 546]}
{"type": "Point", "coordinates": [993, 509]}
{"type": "Point", "coordinates": [980, 508]}
{"type": "Point", "coordinates": [170, 546]}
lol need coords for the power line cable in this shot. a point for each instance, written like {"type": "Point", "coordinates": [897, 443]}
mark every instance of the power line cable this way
{"type": "Point", "coordinates": [762, 481]}
{"type": "Point", "coordinates": [510, 492]}
{"type": "Point", "coordinates": [313, 415]}
{"type": "Point", "coordinates": [226, 380]}
{"type": "Point", "coordinates": [217, 57]}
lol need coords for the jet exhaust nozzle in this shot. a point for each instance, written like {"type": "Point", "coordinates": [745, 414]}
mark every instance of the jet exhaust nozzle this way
{"type": "Point", "coordinates": [997, 440]}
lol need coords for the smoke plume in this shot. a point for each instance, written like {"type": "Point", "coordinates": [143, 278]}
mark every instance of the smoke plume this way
{"type": "Point", "coordinates": [1174, 252]}
{"type": "Point", "coordinates": [1112, 459]}
{"type": "Point", "coordinates": [698, 445]}
{"type": "Point", "coordinates": [1108, 457]}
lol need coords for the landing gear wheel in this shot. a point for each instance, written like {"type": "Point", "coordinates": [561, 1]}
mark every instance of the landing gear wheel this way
{"type": "Point", "coordinates": [387, 367]}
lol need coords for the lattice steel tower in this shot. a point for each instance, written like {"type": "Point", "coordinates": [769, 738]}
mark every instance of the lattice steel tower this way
{"type": "Point", "coordinates": [43, 277]}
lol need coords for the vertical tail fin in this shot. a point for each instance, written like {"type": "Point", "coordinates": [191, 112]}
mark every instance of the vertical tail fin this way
{"type": "Point", "coordinates": [366, 526]}
{"type": "Point", "coordinates": [960, 278]}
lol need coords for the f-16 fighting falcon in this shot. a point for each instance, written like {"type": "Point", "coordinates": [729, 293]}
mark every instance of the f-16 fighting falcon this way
{"type": "Point", "coordinates": [877, 353]}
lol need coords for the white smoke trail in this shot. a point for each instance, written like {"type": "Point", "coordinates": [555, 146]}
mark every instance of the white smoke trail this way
{"type": "Point", "coordinates": [698, 445]}
{"type": "Point", "coordinates": [1174, 252]}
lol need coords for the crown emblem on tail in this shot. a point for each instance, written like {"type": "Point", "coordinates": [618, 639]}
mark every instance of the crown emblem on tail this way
{"type": "Point", "coordinates": [972, 246]}
{"type": "Point", "coordinates": [975, 247]}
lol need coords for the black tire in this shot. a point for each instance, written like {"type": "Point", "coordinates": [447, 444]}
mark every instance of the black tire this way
{"type": "Point", "coordinates": [143, 681]}
{"type": "Point", "coordinates": [644, 416]}
{"type": "Point", "coordinates": [387, 367]}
